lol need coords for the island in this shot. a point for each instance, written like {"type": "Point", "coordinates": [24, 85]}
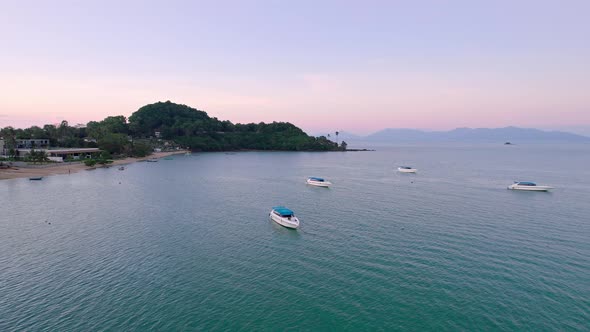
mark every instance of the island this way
{"type": "Point", "coordinates": [157, 127]}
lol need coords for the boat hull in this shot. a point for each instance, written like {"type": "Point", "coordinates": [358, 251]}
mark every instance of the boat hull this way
{"type": "Point", "coordinates": [405, 170]}
{"type": "Point", "coordinates": [285, 222]}
{"type": "Point", "coordinates": [324, 184]}
{"type": "Point", "coordinates": [530, 188]}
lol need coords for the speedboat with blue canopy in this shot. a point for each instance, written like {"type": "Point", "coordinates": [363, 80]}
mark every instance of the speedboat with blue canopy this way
{"type": "Point", "coordinates": [528, 186]}
{"type": "Point", "coordinates": [319, 182]}
{"type": "Point", "coordinates": [284, 217]}
{"type": "Point", "coordinates": [406, 169]}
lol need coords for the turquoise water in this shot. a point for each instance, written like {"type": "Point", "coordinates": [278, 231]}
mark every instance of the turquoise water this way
{"type": "Point", "coordinates": [186, 244]}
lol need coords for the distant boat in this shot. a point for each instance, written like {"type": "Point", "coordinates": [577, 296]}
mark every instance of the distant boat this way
{"type": "Point", "coordinates": [318, 182]}
{"type": "Point", "coordinates": [39, 178]}
{"type": "Point", "coordinates": [284, 217]}
{"type": "Point", "coordinates": [152, 160]}
{"type": "Point", "coordinates": [406, 169]}
{"type": "Point", "coordinates": [507, 143]}
{"type": "Point", "coordinates": [528, 186]}
{"type": "Point", "coordinates": [122, 168]}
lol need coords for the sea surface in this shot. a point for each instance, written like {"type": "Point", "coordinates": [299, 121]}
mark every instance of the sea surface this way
{"type": "Point", "coordinates": [186, 244]}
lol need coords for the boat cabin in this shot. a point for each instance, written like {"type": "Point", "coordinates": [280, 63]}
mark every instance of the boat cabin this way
{"type": "Point", "coordinates": [283, 212]}
{"type": "Point", "coordinates": [316, 179]}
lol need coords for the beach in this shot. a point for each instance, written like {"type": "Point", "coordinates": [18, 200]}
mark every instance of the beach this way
{"type": "Point", "coordinates": [69, 168]}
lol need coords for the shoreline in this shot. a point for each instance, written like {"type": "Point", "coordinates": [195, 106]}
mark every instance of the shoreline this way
{"type": "Point", "coordinates": [60, 169]}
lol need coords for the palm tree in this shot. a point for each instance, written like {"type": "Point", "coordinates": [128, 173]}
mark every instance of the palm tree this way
{"type": "Point", "coordinates": [337, 132]}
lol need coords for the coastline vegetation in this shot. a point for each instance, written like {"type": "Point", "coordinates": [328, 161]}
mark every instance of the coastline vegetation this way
{"type": "Point", "coordinates": [169, 125]}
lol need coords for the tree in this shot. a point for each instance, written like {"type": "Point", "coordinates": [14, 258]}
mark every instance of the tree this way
{"type": "Point", "coordinates": [113, 143]}
{"type": "Point", "coordinates": [37, 156]}
{"type": "Point", "coordinates": [141, 149]}
{"type": "Point", "coordinates": [9, 134]}
{"type": "Point", "coordinates": [343, 146]}
{"type": "Point", "coordinates": [115, 124]}
{"type": "Point", "coordinates": [104, 158]}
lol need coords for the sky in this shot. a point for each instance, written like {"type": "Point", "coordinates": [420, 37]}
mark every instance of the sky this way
{"type": "Point", "coordinates": [354, 66]}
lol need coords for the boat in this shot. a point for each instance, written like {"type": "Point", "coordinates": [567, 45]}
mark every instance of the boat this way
{"type": "Point", "coordinates": [122, 168]}
{"type": "Point", "coordinates": [39, 178]}
{"type": "Point", "coordinates": [528, 186]}
{"type": "Point", "coordinates": [406, 169]}
{"type": "Point", "coordinates": [507, 143]}
{"type": "Point", "coordinates": [284, 217]}
{"type": "Point", "coordinates": [319, 182]}
{"type": "Point", "coordinates": [152, 160]}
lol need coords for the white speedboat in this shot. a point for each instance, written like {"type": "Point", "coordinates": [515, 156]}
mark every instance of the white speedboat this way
{"type": "Point", "coordinates": [318, 182]}
{"type": "Point", "coordinates": [406, 169]}
{"type": "Point", "coordinates": [529, 186]}
{"type": "Point", "coordinates": [284, 217]}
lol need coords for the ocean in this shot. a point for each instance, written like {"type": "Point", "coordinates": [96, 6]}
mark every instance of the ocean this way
{"type": "Point", "coordinates": [187, 244]}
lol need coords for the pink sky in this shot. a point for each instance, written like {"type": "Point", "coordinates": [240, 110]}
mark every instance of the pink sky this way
{"type": "Point", "coordinates": [348, 67]}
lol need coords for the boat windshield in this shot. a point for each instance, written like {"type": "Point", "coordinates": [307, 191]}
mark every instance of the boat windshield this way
{"type": "Point", "coordinates": [316, 179]}
{"type": "Point", "coordinates": [405, 167]}
{"type": "Point", "coordinates": [526, 184]}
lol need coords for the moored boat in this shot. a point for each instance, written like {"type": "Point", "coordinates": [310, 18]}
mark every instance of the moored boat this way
{"type": "Point", "coordinates": [284, 217]}
{"type": "Point", "coordinates": [319, 182]}
{"type": "Point", "coordinates": [38, 178]}
{"type": "Point", "coordinates": [406, 169]}
{"type": "Point", "coordinates": [528, 186]}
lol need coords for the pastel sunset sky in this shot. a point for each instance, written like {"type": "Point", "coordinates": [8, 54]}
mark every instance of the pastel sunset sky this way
{"type": "Point", "coordinates": [355, 66]}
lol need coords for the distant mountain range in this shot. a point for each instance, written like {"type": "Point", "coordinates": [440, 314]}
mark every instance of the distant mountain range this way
{"type": "Point", "coordinates": [475, 135]}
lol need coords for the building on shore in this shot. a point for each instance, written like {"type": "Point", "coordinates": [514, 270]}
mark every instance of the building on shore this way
{"type": "Point", "coordinates": [32, 143]}
{"type": "Point", "coordinates": [59, 155]}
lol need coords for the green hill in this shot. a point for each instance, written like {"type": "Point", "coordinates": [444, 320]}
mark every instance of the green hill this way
{"type": "Point", "coordinates": [193, 128]}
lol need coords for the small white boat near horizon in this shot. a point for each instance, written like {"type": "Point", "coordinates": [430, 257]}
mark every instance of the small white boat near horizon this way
{"type": "Point", "coordinates": [318, 182]}
{"type": "Point", "coordinates": [284, 217]}
{"type": "Point", "coordinates": [406, 169]}
{"type": "Point", "coordinates": [528, 186]}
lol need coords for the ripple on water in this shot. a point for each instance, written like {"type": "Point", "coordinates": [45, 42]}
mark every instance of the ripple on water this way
{"type": "Point", "coordinates": [187, 244]}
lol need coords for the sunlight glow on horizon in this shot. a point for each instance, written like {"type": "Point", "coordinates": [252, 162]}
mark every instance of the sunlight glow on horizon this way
{"type": "Point", "coordinates": [352, 68]}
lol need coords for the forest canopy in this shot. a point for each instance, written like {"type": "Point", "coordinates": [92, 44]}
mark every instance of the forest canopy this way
{"type": "Point", "coordinates": [181, 124]}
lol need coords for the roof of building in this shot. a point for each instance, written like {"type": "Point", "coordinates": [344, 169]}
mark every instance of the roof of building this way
{"type": "Point", "coordinates": [65, 150]}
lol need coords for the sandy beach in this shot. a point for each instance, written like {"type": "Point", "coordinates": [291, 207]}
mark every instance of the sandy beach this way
{"type": "Point", "coordinates": [56, 169]}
